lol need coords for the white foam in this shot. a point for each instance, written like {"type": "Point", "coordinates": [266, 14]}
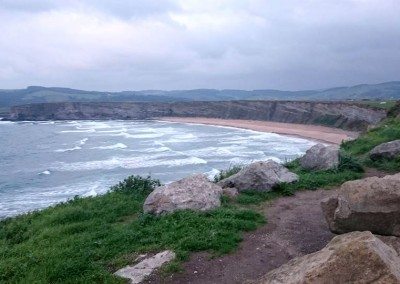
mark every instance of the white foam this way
{"type": "Point", "coordinates": [90, 193]}
{"type": "Point", "coordinates": [83, 141]}
{"type": "Point", "coordinates": [127, 163]}
{"type": "Point", "coordinates": [137, 136]}
{"type": "Point", "coordinates": [68, 149]}
{"type": "Point", "coordinates": [157, 150]}
{"type": "Point", "coordinates": [211, 174]}
{"type": "Point", "coordinates": [121, 130]}
{"type": "Point", "coordinates": [110, 147]}
{"type": "Point", "coordinates": [79, 131]}
{"type": "Point", "coordinates": [46, 172]}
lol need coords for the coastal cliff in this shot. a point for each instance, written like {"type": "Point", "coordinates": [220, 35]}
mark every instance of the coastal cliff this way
{"type": "Point", "coordinates": [345, 115]}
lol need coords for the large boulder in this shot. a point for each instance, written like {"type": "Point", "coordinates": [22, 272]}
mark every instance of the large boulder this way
{"type": "Point", "coordinates": [195, 192]}
{"type": "Point", "coordinates": [320, 157]}
{"type": "Point", "coordinates": [357, 257]}
{"type": "Point", "coordinates": [371, 204]}
{"type": "Point", "coordinates": [261, 176]}
{"type": "Point", "coordinates": [387, 150]}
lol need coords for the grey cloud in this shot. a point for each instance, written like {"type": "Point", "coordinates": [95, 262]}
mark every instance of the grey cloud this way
{"type": "Point", "coordinates": [118, 45]}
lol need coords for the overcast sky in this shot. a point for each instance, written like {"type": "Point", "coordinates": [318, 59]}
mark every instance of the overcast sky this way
{"type": "Point", "coordinates": [186, 44]}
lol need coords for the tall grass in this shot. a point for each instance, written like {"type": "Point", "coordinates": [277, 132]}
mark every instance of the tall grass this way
{"type": "Point", "coordinates": [86, 239]}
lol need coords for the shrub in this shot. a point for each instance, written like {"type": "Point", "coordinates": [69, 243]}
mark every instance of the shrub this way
{"type": "Point", "coordinates": [136, 184]}
{"type": "Point", "coordinates": [347, 162]}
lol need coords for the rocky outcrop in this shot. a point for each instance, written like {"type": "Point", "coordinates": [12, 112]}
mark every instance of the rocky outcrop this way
{"type": "Point", "coordinates": [387, 150]}
{"type": "Point", "coordinates": [195, 192]}
{"type": "Point", "coordinates": [261, 176]}
{"type": "Point", "coordinates": [371, 204]}
{"type": "Point", "coordinates": [137, 273]}
{"type": "Point", "coordinates": [357, 257]}
{"type": "Point", "coordinates": [346, 115]}
{"type": "Point", "coordinates": [320, 157]}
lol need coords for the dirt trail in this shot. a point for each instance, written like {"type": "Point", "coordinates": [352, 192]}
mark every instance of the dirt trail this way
{"type": "Point", "coordinates": [295, 227]}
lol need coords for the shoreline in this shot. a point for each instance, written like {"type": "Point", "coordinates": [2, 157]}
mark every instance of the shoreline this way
{"type": "Point", "coordinates": [319, 133]}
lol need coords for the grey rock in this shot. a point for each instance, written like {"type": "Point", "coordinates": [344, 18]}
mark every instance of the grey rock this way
{"type": "Point", "coordinates": [137, 273]}
{"type": "Point", "coordinates": [320, 157]}
{"type": "Point", "coordinates": [387, 150]}
{"type": "Point", "coordinates": [261, 176]}
{"type": "Point", "coordinates": [195, 192]}
{"type": "Point", "coordinates": [230, 192]}
{"type": "Point", "coordinates": [371, 204]}
{"type": "Point", "coordinates": [357, 257]}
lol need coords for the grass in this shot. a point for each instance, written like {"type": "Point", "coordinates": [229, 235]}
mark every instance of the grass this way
{"type": "Point", "coordinates": [388, 130]}
{"type": "Point", "coordinates": [86, 239]}
{"type": "Point", "coordinates": [348, 169]}
{"type": "Point", "coordinates": [223, 174]}
{"type": "Point", "coordinates": [386, 105]}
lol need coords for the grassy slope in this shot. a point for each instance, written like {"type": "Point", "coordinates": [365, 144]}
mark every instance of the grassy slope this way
{"type": "Point", "coordinates": [83, 240]}
{"type": "Point", "coordinates": [389, 130]}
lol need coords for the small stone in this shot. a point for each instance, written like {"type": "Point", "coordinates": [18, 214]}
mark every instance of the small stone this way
{"type": "Point", "coordinates": [137, 273]}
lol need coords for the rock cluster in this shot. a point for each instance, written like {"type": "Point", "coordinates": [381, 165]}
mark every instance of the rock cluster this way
{"type": "Point", "coordinates": [371, 204]}
{"type": "Point", "coordinates": [260, 176]}
{"type": "Point", "coordinates": [389, 150]}
{"type": "Point", "coordinates": [195, 192]}
{"type": "Point", "coordinates": [357, 257]}
{"type": "Point", "coordinates": [320, 157]}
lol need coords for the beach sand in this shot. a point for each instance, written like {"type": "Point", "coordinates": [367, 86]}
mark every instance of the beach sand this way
{"type": "Point", "coordinates": [315, 132]}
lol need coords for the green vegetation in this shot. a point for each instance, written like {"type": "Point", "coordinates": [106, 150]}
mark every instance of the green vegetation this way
{"type": "Point", "coordinates": [86, 239]}
{"type": "Point", "coordinates": [387, 105]}
{"type": "Point", "coordinates": [233, 169]}
{"type": "Point", "coordinates": [349, 169]}
{"type": "Point", "coordinates": [388, 130]}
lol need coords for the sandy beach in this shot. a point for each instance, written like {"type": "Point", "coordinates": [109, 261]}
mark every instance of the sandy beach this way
{"type": "Point", "coordinates": [320, 133]}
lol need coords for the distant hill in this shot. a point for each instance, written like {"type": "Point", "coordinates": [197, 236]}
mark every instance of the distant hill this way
{"type": "Point", "coordinates": [37, 94]}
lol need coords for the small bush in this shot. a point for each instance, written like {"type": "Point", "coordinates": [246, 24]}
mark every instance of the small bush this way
{"type": "Point", "coordinates": [233, 169]}
{"type": "Point", "coordinates": [136, 184]}
{"type": "Point", "coordinates": [392, 165]}
{"type": "Point", "coordinates": [347, 162]}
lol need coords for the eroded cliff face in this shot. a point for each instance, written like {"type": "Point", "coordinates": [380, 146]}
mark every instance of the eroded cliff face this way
{"type": "Point", "coordinates": [350, 116]}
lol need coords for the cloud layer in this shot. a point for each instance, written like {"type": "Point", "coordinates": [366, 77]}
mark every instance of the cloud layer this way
{"type": "Point", "coordinates": [181, 44]}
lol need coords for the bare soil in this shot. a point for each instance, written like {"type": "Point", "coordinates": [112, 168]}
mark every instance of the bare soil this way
{"type": "Point", "coordinates": [295, 227]}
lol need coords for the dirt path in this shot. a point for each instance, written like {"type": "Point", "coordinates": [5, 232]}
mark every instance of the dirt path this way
{"type": "Point", "coordinates": [295, 227]}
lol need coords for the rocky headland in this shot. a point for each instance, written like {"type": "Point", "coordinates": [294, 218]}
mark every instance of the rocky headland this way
{"type": "Point", "coordinates": [345, 115]}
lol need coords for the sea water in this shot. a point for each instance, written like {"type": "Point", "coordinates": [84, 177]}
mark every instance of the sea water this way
{"type": "Point", "coordinates": [43, 163]}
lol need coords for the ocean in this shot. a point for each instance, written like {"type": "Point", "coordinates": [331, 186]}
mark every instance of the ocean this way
{"type": "Point", "coordinates": [43, 163]}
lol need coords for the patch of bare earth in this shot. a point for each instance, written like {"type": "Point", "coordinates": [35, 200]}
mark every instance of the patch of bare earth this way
{"type": "Point", "coordinates": [295, 227]}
